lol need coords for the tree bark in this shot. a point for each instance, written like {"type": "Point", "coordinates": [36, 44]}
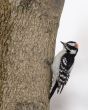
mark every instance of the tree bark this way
{"type": "Point", "coordinates": [28, 30]}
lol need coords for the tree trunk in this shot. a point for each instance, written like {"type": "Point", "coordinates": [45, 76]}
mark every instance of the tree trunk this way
{"type": "Point", "coordinates": [28, 30]}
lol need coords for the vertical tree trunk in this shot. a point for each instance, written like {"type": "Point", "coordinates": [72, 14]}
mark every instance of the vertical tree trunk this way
{"type": "Point", "coordinates": [28, 31]}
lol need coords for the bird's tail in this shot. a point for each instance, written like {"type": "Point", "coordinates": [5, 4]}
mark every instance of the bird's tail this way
{"type": "Point", "coordinates": [60, 88]}
{"type": "Point", "coordinates": [53, 90]}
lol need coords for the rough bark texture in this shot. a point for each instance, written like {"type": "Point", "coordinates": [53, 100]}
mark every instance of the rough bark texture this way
{"type": "Point", "coordinates": [28, 31]}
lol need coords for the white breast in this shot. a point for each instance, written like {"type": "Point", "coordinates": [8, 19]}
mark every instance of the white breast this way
{"type": "Point", "coordinates": [56, 63]}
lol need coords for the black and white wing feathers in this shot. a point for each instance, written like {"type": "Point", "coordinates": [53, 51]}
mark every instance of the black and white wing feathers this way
{"type": "Point", "coordinates": [64, 71]}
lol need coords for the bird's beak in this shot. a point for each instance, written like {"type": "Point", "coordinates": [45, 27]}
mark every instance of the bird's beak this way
{"type": "Point", "coordinates": [64, 44]}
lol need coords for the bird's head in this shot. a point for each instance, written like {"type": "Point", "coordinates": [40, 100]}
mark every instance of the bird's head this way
{"type": "Point", "coordinates": [71, 47]}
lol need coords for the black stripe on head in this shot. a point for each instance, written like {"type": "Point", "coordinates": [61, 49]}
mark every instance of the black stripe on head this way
{"type": "Point", "coordinates": [71, 45]}
{"type": "Point", "coordinates": [71, 42]}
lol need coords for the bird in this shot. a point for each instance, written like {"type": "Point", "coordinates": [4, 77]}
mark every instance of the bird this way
{"type": "Point", "coordinates": [62, 66]}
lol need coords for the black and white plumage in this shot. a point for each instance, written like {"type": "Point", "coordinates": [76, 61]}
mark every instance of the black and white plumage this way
{"type": "Point", "coordinates": [62, 66]}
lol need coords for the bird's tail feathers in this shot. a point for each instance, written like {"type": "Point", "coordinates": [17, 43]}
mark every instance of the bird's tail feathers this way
{"type": "Point", "coordinates": [53, 89]}
{"type": "Point", "coordinates": [60, 88]}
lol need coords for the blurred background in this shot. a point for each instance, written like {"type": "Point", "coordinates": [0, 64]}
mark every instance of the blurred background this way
{"type": "Point", "coordinates": [74, 26]}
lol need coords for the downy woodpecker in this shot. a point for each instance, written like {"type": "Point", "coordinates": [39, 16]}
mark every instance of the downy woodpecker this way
{"type": "Point", "coordinates": [62, 66]}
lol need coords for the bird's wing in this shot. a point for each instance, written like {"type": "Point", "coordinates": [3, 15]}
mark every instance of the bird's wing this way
{"type": "Point", "coordinates": [66, 63]}
{"type": "Point", "coordinates": [64, 71]}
